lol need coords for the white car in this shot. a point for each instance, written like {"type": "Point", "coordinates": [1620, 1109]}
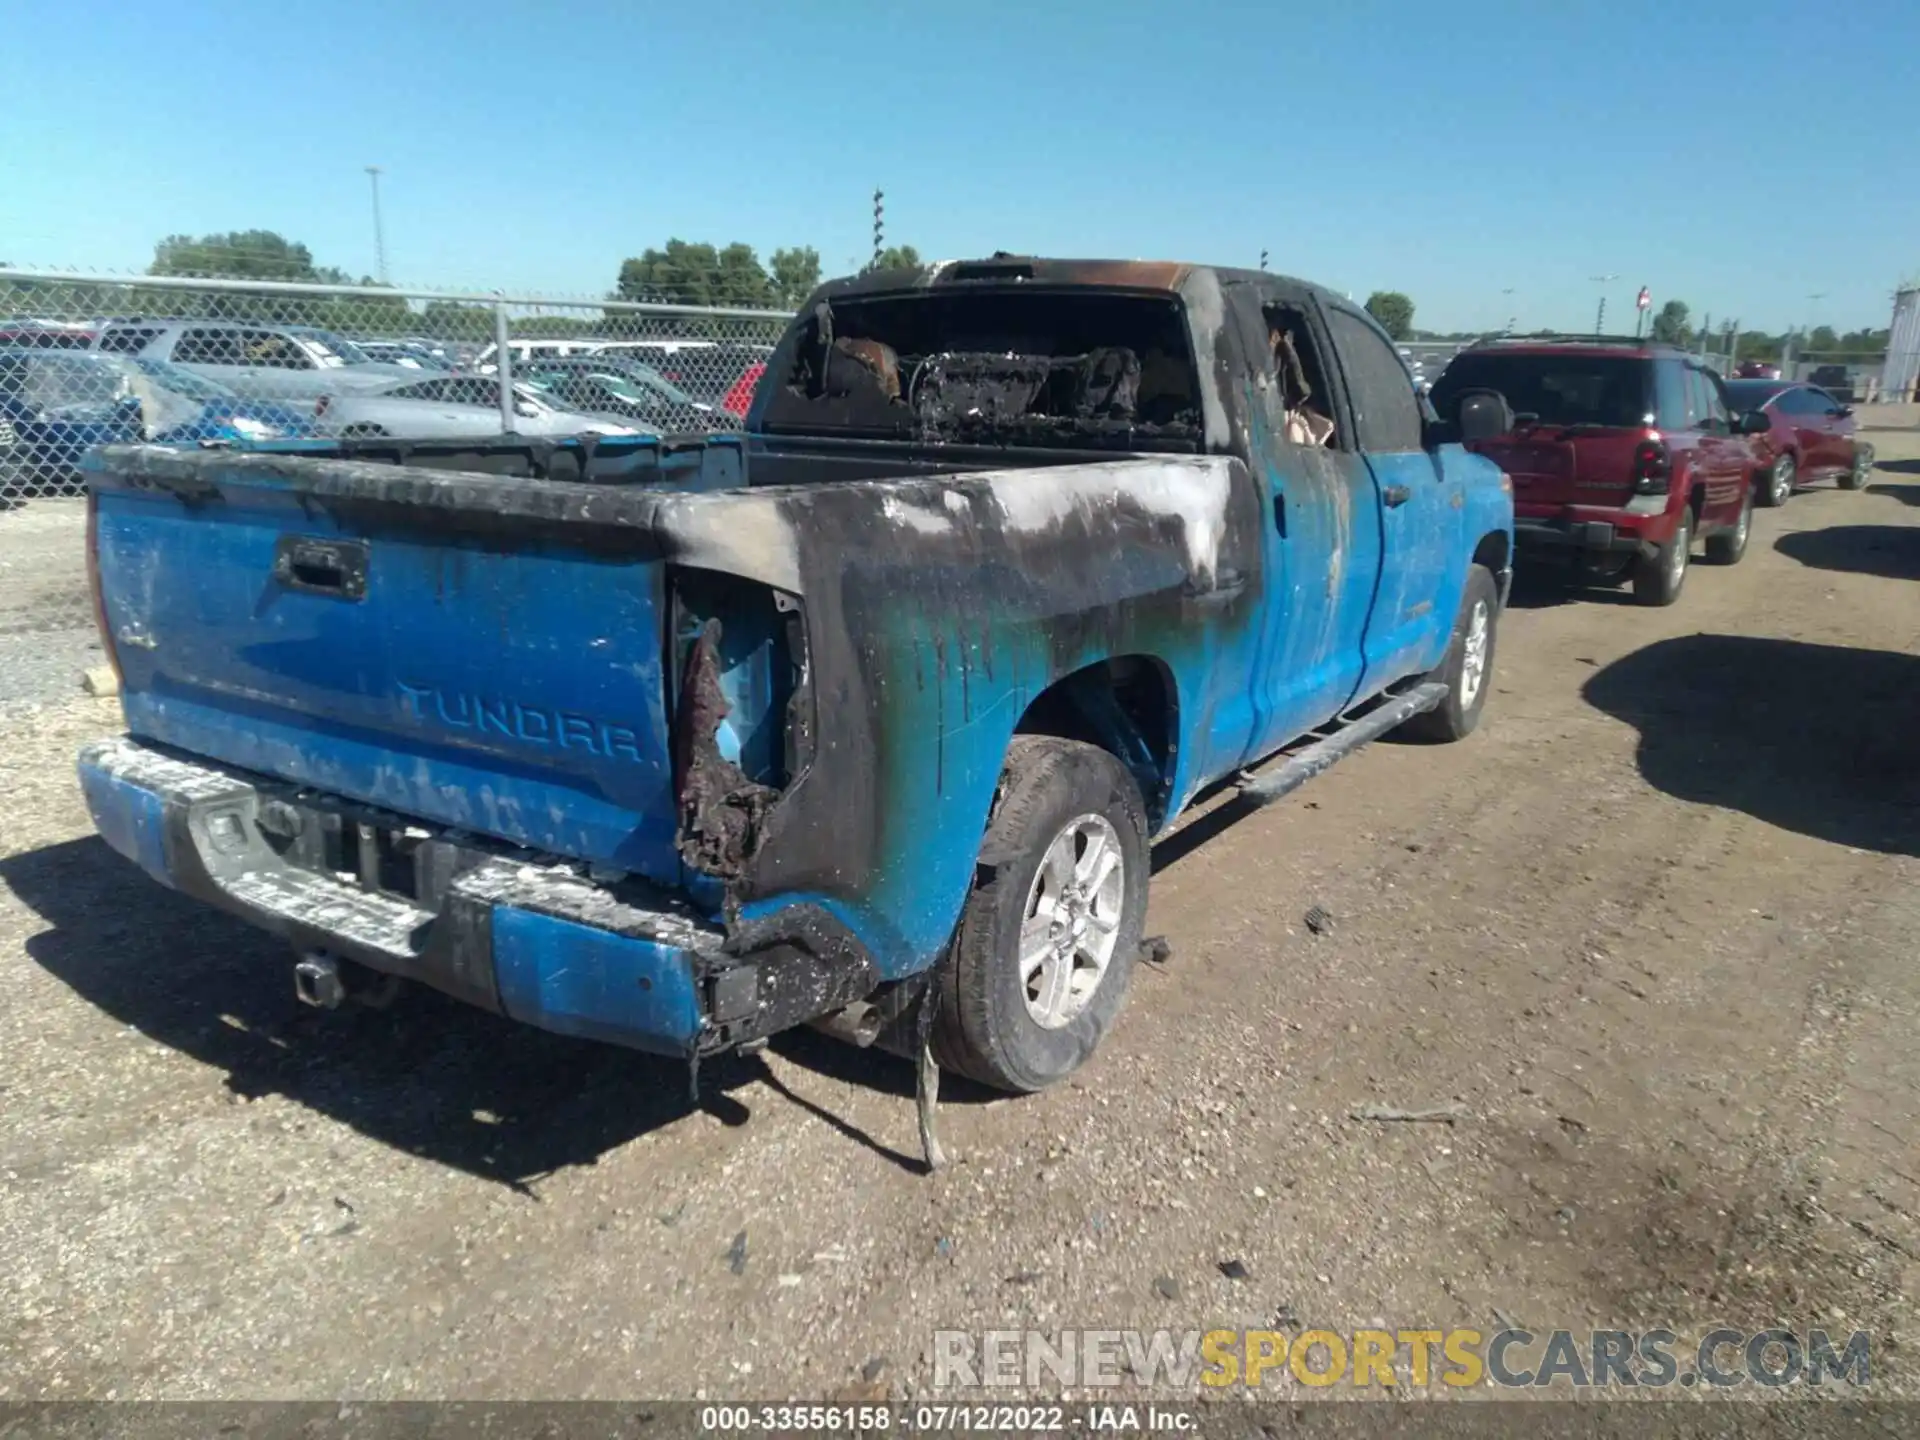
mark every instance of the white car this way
{"type": "Point", "coordinates": [525, 351]}
{"type": "Point", "coordinates": [454, 407]}
{"type": "Point", "coordinates": [262, 362]}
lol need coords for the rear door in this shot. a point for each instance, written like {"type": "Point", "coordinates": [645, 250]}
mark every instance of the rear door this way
{"type": "Point", "coordinates": [1422, 515]}
{"type": "Point", "coordinates": [1721, 456]}
{"type": "Point", "coordinates": [445, 407]}
{"type": "Point", "coordinates": [1322, 535]}
{"type": "Point", "coordinates": [1820, 413]}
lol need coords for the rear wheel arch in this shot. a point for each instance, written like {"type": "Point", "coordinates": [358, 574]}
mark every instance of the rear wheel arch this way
{"type": "Point", "coordinates": [1127, 705]}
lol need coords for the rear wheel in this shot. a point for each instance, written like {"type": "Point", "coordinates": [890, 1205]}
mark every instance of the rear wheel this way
{"type": "Point", "coordinates": [1046, 943]}
{"type": "Point", "coordinates": [1659, 577]}
{"type": "Point", "coordinates": [1779, 482]}
{"type": "Point", "coordinates": [1467, 669]}
{"type": "Point", "coordinates": [1728, 546]}
{"type": "Point", "coordinates": [1857, 473]}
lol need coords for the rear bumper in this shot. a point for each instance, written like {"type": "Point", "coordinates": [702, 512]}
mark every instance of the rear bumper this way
{"type": "Point", "coordinates": [517, 934]}
{"type": "Point", "coordinates": [1592, 530]}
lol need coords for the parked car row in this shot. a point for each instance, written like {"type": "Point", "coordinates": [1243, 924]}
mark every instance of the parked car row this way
{"type": "Point", "coordinates": [208, 381]}
{"type": "Point", "coordinates": [1626, 454]}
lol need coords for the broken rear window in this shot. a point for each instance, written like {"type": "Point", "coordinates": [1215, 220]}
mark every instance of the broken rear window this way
{"type": "Point", "coordinates": [1061, 368]}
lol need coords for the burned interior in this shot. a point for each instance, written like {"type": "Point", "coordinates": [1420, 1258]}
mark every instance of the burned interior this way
{"type": "Point", "coordinates": [1112, 369]}
{"type": "Point", "coordinates": [1304, 394]}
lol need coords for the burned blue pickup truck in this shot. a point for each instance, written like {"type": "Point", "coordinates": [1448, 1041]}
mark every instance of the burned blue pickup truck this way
{"type": "Point", "coordinates": [864, 719]}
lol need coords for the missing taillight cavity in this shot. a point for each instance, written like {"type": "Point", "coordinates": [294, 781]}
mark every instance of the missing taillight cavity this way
{"type": "Point", "coordinates": [742, 723]}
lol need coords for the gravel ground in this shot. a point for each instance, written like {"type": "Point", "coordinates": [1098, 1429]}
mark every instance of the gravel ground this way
{"type": "Point", "coordinates": [1653, 929]}
{"type": "Point", "coordinates": [43, 567]}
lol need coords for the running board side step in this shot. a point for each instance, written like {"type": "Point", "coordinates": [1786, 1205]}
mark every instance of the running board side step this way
{"type": "Point", "coordinates": [1323, 755]}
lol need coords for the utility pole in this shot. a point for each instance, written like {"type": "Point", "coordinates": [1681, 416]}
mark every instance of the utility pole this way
{"type": "Point", "coordinates": [1511, 317]}
{"type": "Point", "coordinates": [1805, 330]}
{"type": "Point", "coordinates": [379, 235]}
{"type": "Point", "coordinates": [879, 197]}
{"type": "Point", "coordinates": [1600, 316]}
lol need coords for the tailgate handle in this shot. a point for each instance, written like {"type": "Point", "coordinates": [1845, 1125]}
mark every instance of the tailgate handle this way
{"type": "Point", "coordinates": [322, 567]}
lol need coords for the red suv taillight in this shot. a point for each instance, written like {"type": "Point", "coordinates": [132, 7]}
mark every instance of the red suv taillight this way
{"type": "Point", "coordinates": [1652, 466]}
{"type": "Point", "coordinates": [93, 581]}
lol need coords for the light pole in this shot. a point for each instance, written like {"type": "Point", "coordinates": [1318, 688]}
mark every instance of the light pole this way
{"type": "Point", "coordinates": [379, 236]}
{"type": "Point", "coordinates": [1511, 317]}
{"type": "Point", "coordinates": [1600, 316]}
{"type": "Point", "coordinates": [1812, 300]}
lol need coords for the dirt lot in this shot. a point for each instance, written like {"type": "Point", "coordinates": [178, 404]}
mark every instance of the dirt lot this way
{"type": "Point", "coordinates": [1655, 928]}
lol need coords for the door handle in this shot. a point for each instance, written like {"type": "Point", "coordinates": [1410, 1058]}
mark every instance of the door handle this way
{"type": "Point", "coordinates": [1396, 495]}
{"type": "Point", "coordinates": [1280, 515]}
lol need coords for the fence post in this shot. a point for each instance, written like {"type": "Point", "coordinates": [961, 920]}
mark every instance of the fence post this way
{"type": "Point", "coordinates": [503, 362]}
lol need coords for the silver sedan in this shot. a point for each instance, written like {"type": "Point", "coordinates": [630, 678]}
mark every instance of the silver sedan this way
{"type": "Point", "coordinates": [455, 407]}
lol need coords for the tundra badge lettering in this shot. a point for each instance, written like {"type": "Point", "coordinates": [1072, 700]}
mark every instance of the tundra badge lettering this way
{"type": "Point", "coordinates": [534, 724]}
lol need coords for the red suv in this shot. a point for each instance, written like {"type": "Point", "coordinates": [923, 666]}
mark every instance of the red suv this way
{"type": "Point", "coordinates": [1623, 453]}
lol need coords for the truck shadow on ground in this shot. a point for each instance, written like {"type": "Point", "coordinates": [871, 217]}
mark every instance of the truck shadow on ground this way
{"type": "Point", "coordinates": [1889, 551]}
{"type": "Point", "coordinates": [1908, 493]}
{"type": "Point", "coordinates": [1812, 738]}
{"type": "Point", "coordinates": [1897, 467]}
{"type": "Point", "coordinates": [430, 1076]}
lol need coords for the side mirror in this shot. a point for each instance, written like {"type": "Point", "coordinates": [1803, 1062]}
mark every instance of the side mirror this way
{"type": "Point", "coordinates": [1754, 422]}
{"type": "Point", "coordinates": [1842, 412]}
{"type": "Point", "coordinates": [1482, 415]}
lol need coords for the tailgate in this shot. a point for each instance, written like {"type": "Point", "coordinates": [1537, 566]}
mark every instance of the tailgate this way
{"type": "Point", "coordinates": [1544, 471]}
{"type": "Point", "coordinates": [481, 651]}
{"type": "Point", "coordinates": [1592, 465]}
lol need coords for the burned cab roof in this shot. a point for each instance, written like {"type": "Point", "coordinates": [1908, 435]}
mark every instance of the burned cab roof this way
{"type": "Point", "coordinates": [1003, 269]}
{"type": "Point", "coordinates": [1171, 276]}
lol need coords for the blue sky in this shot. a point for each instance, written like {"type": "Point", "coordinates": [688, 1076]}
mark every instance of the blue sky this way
{"type": "Point", "coordinates": [1741, 157]}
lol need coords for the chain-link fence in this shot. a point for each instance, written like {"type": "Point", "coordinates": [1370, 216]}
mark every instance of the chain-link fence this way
{"type": "Point", "coordinates": [87, 360]}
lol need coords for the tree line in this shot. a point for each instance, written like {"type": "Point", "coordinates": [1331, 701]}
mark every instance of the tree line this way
{"type": "Point", "coordinates": [1672, 324]}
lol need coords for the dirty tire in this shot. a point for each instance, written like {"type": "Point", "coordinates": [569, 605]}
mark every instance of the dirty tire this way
{"type": "Point", "coordinates": [984, 1027]}
{"type": "Point", "coordinates": [1728, 546]}
{"type": "Point", "coordinates": [1660, 577]}
{"type": "Point", "coordinates": [1855, 475]}
{"type": "Point", "coordinates": [1778, 486]}
{"type": "Point", "coordinates": [1457, 716]}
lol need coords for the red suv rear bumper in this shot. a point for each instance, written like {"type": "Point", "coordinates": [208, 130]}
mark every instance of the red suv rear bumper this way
{"type": "Point", "coordinates": [1594, 529]}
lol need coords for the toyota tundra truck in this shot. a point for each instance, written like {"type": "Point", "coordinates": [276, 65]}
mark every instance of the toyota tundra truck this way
{"type": "Point", "coordinates": [866, 719]}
